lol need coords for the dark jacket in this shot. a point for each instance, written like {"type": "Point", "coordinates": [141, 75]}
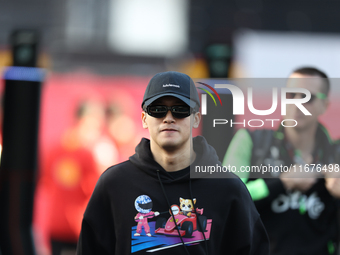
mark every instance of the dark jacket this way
{"type": "Point", "coordinates": [140, 186]}
{"type": "Point", "coordinates": [297, 223]}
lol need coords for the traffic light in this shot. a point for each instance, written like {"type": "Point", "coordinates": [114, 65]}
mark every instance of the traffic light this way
{"type": "Point", "coordinates": [218, 57]}
{"type": "Point", "coordinates": [24, 47]}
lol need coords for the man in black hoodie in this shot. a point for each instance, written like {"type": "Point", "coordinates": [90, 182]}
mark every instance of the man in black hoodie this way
{"type": "Point", "coordinates": [150, 204]}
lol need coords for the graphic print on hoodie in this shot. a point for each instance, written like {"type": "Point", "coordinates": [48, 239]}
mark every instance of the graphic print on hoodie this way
{"type": "Point", "coordinates": [162, 233]}
{"type": "Point", "coordinates": [109, 224]}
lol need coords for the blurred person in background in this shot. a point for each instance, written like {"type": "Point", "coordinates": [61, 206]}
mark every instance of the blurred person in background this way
{"type": "Point", "coordinates": [69, 175]}
{"type": "Point", "coordinates": [91, 131]}
{"type": "Point", "coordinates": [121, 129]}
{"type": "Point", "coordinates": [298, 211]}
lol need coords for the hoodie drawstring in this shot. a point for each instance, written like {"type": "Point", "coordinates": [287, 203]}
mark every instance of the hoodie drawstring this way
{"type": "Point", "coordinates": [197, 221]}
{"type": "Point", "coordinates": [172, 214]}
{"type": "Point", "coordinates": [173, 217]}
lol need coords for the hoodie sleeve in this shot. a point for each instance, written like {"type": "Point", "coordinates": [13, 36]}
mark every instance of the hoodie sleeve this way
{"type": "Point", "coordinates": [259, 240]}
{"type": "Point", "coordinates": [239, 154]}
{"type": "Point", "coordinates": [97, 235]}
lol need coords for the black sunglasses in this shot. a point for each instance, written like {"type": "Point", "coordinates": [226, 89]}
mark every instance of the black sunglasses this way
{"type": "Point", "coordinates": [178, 111]}
{"type": "Point", "coordinates": [319, 95]}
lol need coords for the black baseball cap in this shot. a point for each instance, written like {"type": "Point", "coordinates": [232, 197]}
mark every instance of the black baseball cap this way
{"type": "Point", "coordinates": [173, 84]}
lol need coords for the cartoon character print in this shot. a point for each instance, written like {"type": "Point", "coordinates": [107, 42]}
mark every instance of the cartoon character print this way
{"type": "Point", "coordinates": [193, 226]}
{"type": "Point", "coordinates": [187, 206]}
{"type": "Point", "coordinates": [143, 205]}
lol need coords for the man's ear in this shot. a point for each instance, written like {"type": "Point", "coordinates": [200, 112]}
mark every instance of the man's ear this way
{"type": "Point", "coordinates": [145, 125]}
{"type": "Point", "coordinates": [197, 119]}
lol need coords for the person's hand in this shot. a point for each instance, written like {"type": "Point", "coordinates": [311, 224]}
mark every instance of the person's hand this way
{"type": "Point", "coordinates": [156, 213]}
{"type": "Point", "coordinates": [297, 183]}
{"type": "Point", "coordinates": [301, 181]}
{"type": "Point", "coordinates": [140, 217]}
{"type": "Point", "coordinates": [333, 186]}
{"type": "Point", "coordinates": [302, 178]}
{"type": "Point", "coordinates": [332, 181]}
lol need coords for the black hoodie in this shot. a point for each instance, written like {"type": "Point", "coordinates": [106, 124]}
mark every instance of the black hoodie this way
{"type": "Point", "coordinates": [128, 212]}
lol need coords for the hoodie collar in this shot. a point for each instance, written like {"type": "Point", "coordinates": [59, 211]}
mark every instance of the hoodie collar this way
{"type": "Point", "coordinates": [143, 159]}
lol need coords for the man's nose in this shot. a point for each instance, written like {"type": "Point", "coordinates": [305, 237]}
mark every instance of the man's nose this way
{"type": "Point", "coordinates": [169, 117]}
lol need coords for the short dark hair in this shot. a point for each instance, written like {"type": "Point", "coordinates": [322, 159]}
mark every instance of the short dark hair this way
{"type": "Point", "coordinates": [315, 72]}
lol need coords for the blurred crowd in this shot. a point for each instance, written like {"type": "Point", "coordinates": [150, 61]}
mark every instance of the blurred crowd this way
{"type": "Point", "coordinates": [71, 168]}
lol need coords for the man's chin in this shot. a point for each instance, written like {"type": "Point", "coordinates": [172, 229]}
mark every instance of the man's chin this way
{"type": "Point", "coordinates": [170, 146]}
{"type": "Point", "coordinates": [301, 126]}
{"type": "Point", "coordinates": [301, 122]}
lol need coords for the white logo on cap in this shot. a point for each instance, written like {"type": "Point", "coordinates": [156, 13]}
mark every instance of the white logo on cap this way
{"type": "Point", "coordinates": [170, 85]}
